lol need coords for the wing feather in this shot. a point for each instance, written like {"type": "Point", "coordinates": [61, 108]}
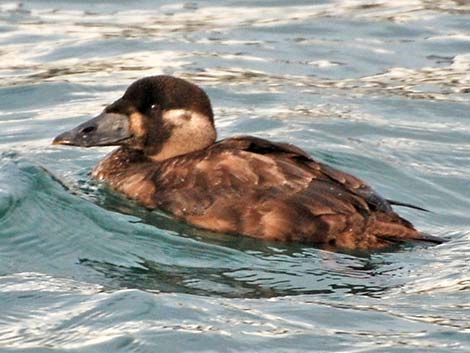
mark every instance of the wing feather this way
{"type": "Point", "coordinates": [254, 187]}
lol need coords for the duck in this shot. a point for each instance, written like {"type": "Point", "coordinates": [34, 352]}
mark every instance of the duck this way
{"type": "Point", "coordinates": [168, 158]}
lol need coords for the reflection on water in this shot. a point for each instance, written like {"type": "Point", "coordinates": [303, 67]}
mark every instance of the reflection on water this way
{"type": "Point", "coordinates": [379, 89]}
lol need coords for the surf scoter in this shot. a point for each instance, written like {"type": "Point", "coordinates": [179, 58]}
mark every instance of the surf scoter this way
{"type": "Point", "coordinates": [169, 159]}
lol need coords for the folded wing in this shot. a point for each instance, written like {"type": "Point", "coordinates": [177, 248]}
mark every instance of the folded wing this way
{"type": "Point", "coordinates": [275, 191]}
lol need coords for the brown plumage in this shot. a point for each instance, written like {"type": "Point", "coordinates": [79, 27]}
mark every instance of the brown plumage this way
{"type": "Point", "coordinates": [245, 185]}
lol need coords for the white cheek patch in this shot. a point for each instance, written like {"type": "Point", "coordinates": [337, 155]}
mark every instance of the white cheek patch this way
{"type": "Point", "coordinates": [191, 131]}
{"type": "Point", "coordinates": [188, 121]}
{"type": "Point", "coordinates": [177, 117]}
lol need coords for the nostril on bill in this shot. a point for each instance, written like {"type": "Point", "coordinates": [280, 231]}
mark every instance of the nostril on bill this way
{"type": "Point", "coordinates": [88, 129]}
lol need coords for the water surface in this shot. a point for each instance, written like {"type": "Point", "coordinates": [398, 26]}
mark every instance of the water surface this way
{"type": "Point", "coordinates": [379, 89]}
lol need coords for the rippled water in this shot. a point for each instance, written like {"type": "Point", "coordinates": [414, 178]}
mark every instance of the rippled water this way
{"type": "Point", "coordinates": [377, 88]}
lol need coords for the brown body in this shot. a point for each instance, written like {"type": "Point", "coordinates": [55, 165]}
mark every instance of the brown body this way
{"type": "Point", "coordinates": [169, 159]}
{"type": "Point", "coordinates": [253, 187]}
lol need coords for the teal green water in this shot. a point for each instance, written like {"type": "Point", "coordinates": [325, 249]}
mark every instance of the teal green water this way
{"type": "Point", "coordinates": [379, 89]}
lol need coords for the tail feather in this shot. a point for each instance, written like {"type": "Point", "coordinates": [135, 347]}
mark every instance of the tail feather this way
{"type": "Point", "coordinates": [404, 204]}
{"type": "Point", "coordinates": [420, 238]}
{"type": "Point", "coordinates": [430, 238]}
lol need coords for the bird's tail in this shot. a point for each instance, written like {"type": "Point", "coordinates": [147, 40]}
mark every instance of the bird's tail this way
{"type": "Point", "coordinates": [404, 204]}
{"type": "Point", "coordinates": [428, 238]}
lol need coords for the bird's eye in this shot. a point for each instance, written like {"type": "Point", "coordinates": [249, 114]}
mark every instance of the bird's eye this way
{"type": "Point", "coordinates": [154, 107]}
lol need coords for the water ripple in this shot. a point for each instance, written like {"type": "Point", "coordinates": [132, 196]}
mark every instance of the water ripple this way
{"type": "Point", "coordinates": [376, 88]}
